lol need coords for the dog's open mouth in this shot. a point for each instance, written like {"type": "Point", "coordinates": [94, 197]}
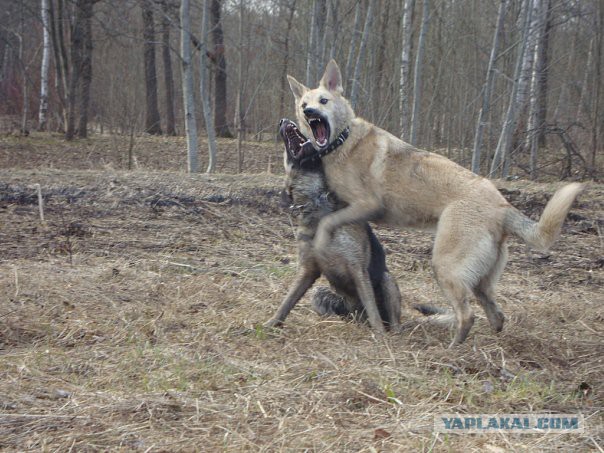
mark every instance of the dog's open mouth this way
{"type": "Point", "coordinates": [320, 129]}
{"type": "Point", "coordinates": [296, 144]}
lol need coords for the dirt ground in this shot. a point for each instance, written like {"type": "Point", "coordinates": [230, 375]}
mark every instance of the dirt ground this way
{"type": "Point", "coordinates": [130, 318]}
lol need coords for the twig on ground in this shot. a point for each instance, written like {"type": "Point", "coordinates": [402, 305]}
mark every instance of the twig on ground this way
{"type": "Point", "coordinates": [40, 202]}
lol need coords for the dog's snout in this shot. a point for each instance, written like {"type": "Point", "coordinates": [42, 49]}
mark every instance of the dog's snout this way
{"type": "Point", "coordinates": [309, 111]}
{"type": "Point", "coordinates": [281, 122]}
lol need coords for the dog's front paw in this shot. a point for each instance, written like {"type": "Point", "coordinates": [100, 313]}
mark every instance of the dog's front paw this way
{"type": "Point", "coordinates": [273, 323]}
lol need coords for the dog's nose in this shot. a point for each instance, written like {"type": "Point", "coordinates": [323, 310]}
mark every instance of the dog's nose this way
{"type": "Point", "coordinates": [281, 122]}
{"type": "Point", "coordinates": [309, 111]}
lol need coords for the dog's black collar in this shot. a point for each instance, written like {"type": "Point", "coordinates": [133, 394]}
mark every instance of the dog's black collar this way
{"type": "Point", "coordinates": [336, 143]}
{"type": "Point", "coordinates": [332, 147]}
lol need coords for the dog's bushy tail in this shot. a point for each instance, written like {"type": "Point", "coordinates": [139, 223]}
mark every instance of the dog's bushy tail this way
{"type": "Point", "coordinates": [436, 315]}
{"type": "Point", "coordinates": [541, 235]}
{"type": "Point", "coordinates": [327, 303]}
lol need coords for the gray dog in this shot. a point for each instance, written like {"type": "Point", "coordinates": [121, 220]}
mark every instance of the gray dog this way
{"type": "Point", "coordinates": [353, 262]}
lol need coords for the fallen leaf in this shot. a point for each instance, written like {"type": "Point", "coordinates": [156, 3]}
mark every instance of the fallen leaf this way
{"type": "Point", "coordinates": [380, 433]}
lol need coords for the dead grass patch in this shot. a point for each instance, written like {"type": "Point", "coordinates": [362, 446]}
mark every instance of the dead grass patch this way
{"type": "Point", "coordinates": [131, 320]}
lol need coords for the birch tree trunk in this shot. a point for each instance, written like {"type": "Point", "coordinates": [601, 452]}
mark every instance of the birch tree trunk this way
{"type": "Point", "coordinates": [533, 127]}
{"type": "Point", "coordinates": [417, 76]}
{"type": "Point", "coordinates": [187, 86]}
{"type": "Point", "coordinates": [511, 117]}
{"type": "Point", "coordinates": [43, 112]}
{"type": "Point", "coordinates": [405, 80]}
{"type": "Point", "coordinates": [534, 6]}
{"type": "Point", "coordinates": [152, 121]}
{"type": "Point", "coordinates": [487, 90]}
{"type": "Point", "coordinates": [361, 56]}
{"type": "Point", "coordinates": [204, 86]}
{"type": "Point", "coordinates": [528, 8]}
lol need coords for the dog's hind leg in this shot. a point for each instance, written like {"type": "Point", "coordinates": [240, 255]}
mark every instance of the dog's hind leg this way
{"type": "Point", "coordinates": [392, 301]}
{"type": "Point", "coordinates": [367, 297]}
{"type": "Point", "coordinates": [457, 294]}
{"type": "Point", "coordinates": [485, 290]}
{"type": "Point", "coordinates": [464, 252]}
{"type": "Point", "coordinates": [468, 257]}
{"type": "Point", "coordinates": [304, 280]}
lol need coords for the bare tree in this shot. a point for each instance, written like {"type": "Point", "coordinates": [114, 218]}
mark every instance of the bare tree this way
{"type": "Point", "coordinates": [24, 72]}
{"type": "Point", "coordinates": [335, 8]}
{"type": "Point", "coordinates": [380, 58]}
{"type": "Point", "coordinates": [239, 114]}
{"type": "Point", "coordinates": [353, 43]}
{"type": "Point", "coordinates": [187, 85]}
{"type": "Point", "coordinates": [289, 11]}
{"type": "Point", "coordinates": [536, 84]}
{"type": "Point", "coordinates": [463, 92]}
{"type": "Point", "coordinates": [405, 72]}
{"type": "Point", "coordinates": [204, 86]}
{"type": "Point", "coordinates": [361, 56]}
{"type": "Point", "coordinates": [43, 112]}
{"type": "Point", "coordinates": [487, 90]}
{"type": "Point", "coordinates": [597, 129]}
{"type": "Point", "coordinates": [61, 64]}
{"type": "Point", "coordinates": [325, 14]}
{"type": "Point", "coordinates": [311, 51]}
{"type": "Point", "coordinates": [543, 71]}
{"type": "Point", "coordinates": [505, 138]}
{"type": "Point", "coordinates": [152, 119]}
{"type": "Point", "coordinates": [86, 72]}
{"type": "Point", "coordinates": [220, 71]}
{"type": "Point", "coordinates": [417, 76]}
{"type": "Point", "coordinates": [584, 95]}
{"type": "Point", "coordinates": [167, 63]}
{"type": "Point", "coordinates": [76, 58]}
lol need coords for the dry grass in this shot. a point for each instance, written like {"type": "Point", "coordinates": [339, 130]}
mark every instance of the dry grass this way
{"type": "Point", "coordinates": [130, 320]}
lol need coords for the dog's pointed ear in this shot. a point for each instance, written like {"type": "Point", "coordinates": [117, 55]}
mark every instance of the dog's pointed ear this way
{"type": "Point", "coordinates": [332, 78]}
{"type": "Point", "coordinates": [297, 88]}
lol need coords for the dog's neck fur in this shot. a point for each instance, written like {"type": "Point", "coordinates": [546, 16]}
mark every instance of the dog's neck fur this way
{"type": "Point", "coordinates": [313, 200]}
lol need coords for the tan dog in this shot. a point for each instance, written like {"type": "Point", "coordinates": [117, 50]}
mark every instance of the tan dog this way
{"type": "Point", "coordinates": [383, 179]}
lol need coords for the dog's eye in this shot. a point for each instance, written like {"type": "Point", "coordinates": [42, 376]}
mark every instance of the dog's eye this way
{"type": "Point", "coordinates": [304, 104]}
{"type": "Point", "coordinates": [323, 101]}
